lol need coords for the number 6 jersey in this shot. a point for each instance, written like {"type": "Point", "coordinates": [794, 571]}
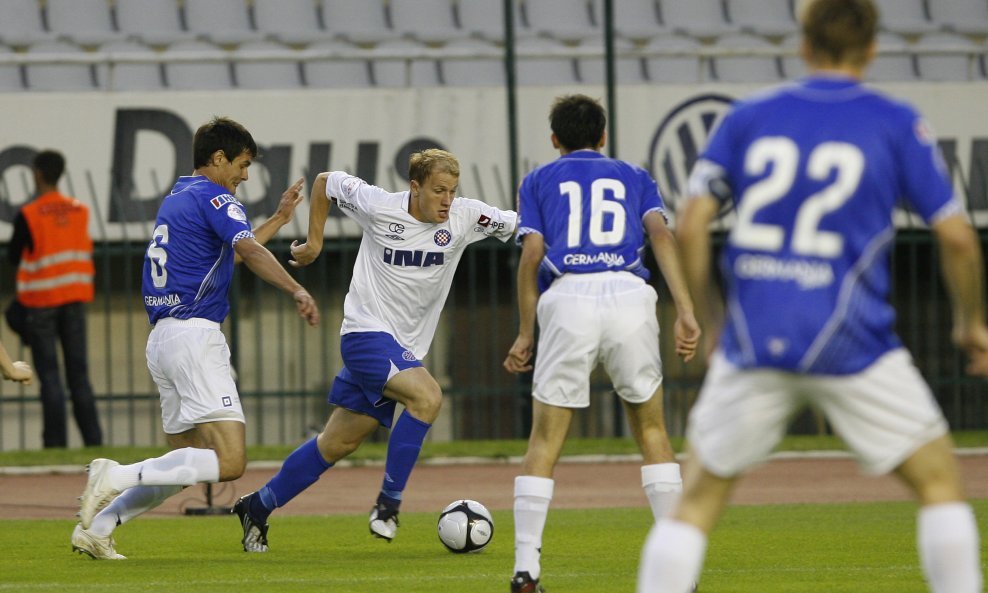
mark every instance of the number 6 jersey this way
{"type": "Point", "coordinates": [806, 264]}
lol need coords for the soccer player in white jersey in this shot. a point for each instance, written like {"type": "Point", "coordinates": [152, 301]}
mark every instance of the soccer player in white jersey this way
{"type": "Point", "coordinates": [201, 230]}
{"type": "Point", "coordinates": [584, 223]}
{"type": "Point", "coordinates": [814, 170]}
{"type": "Point", "coordinates": [412, 242]}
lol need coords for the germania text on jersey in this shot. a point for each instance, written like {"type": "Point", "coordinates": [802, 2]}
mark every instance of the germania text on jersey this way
{"type": "Point", "coordinates": [613, 260]}
{"type": "Point", "coordinates": [169, 300]}
{"type": "Point", "coordinates": [808, 274]}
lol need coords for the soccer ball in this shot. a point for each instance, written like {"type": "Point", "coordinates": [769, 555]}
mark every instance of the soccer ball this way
{"type": "Point", "coordinates": [465, 526]}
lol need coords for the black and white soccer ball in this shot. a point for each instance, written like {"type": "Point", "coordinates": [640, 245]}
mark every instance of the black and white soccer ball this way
{"type": "Point", "coordinates": [465, 526]}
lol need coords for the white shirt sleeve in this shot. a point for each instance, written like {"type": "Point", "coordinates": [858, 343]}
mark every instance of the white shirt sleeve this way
{"type": "Point", "coordinates": [479, 220]}
{"type": "Point", "coordinates": [354, 196]}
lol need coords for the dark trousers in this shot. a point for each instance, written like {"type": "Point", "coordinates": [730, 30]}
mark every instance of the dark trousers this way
{"type": "Point", "coordinates": [44, 328]}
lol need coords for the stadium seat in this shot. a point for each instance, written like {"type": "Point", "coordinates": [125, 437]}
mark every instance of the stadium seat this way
{"type": "Point", "coordinates": [969, 17]}
{"type": "Point", "coordinates": [292, 22]}
{"type": "Point", "coordinates": [84, 22]}
{"type": "Point", "coordinates": [486, 69]}
{"type": "Point", "coordinates": [21, 23]}
{"type": "Point", "coordinates": [703, 19]}
{"type": "Point", "coordinates": [947, 57]}
{"type": "Point", "coordinates": [771, 18]}
{"type": "Point", "coordinates": [62, 76]}
{"type": "Point", "coordinates": [130, 76]}
{"type": "Point", "coordinates": [746, 68]}
{"type": "Point", "coordinates": [570, 21]}
{"type": "Point", "coordinates": [904, 17]}
{"type": "Point", "coordinates": [428, 21]}
{"type": "Point", "coordinates": [155, 22]}
{"type": "Point", "coordinates": [485, 19]}
{"type": "Point", "coordinates": [637, 20]}
{"type": "Point", "coordinates": [363, 22]}
{"type": "Point", "coordinates": [263, 74]}
{"type": "Point", "coordinates": [533, 70]}
{"type": "Point", "coordinates": [628, 70]}
{"type": "Point", "coordinates": [409, 72]}
{"type": "Point", "coordinates": [222, 22]}
{"type": "Point", "coordinates": [11, 78]}
{"type": "Point", "coordinates": [674, 60]}
{"type": "Point", "coordinates": [793, 66]}
{"type": "Point", "coordinates": [333, 73]}
{"type": "Point", "coordinates": [894, 62]}
{"type": "Point", "coordinates": [211, 71]}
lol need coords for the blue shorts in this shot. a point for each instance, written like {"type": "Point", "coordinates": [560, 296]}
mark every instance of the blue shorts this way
{"type": "Point", "coordinates": [370, 359]}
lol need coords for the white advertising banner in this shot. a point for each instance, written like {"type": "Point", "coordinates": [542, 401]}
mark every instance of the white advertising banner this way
{"type": "Point", "coordinates": [124, 150]}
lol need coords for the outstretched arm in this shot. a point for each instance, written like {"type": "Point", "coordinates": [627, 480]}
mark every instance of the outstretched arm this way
{"type": "Point", "coordinates": [961, 260]}
{"type": "Point", "coordinates": [520, 355]}
{"type": "Point", "coordinates": [263, 263]}
{"type": "Point", "coordinates": [291, 198]}
{"type": "Point", "coordinates": [686, 330]}
{"type": "Point", "coordinates": [305, 253]}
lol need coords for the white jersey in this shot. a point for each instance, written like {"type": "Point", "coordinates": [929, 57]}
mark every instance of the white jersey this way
{"type": "Point", "coordinates": [405, 267]}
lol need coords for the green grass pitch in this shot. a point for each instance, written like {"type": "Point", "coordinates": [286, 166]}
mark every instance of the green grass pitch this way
{"type": "Point", "coordinates": [791, 548]}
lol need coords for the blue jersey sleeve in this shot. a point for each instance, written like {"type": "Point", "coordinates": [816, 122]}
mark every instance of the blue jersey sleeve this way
{"type": "Point", "coordinates": [923, 180]}
{"type": "Point", "coordinates": [529, 208]}
{"type": "Point", "coordinates": [227, 217]}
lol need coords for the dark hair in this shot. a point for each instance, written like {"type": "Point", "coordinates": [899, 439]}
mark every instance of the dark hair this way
{"type": "Point", "coordinates": [840, 31]}
{"type": "Point", "coordinates": [50, 165]}
{"type": "Point", "coordinates": [221, 133]}
{"type": "Point", "coordinates": [432, 160]}
{"type": "Point", "coordinates": [577, 121]}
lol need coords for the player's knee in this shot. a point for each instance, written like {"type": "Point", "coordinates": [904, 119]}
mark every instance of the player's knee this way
{"type": "Point", "coordinates": [427, 403]}
{"type": "Point", "coordinates": [231, 469]}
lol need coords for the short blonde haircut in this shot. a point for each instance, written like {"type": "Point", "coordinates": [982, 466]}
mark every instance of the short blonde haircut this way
{"type": "Point", "coordinates": [429, 161]}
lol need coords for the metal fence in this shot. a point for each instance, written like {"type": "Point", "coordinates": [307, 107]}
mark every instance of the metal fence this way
{"type": "Point", "coordinates": [285, 368]}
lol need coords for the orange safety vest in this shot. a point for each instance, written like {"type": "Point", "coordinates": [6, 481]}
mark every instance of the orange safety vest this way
{"type": "Point", "coordinates": [59, 269]}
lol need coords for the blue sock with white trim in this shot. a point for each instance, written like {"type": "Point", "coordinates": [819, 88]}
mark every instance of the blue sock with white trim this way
{"type": "Point", "coordinates": [404, 446]}
{"type": "Point", "coordinates": [301, 469]}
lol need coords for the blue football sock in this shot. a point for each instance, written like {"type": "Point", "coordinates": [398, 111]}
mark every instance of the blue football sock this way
{"type": "Point", "coordinates": [300, 470]}
{"type": "Point", "coordinates": [403, 451]}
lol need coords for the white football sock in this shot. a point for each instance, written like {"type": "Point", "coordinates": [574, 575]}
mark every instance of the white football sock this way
{"type": "Point", "coordinates": [663, 485]}
{"type": "Point", "coordinates": [181, 467]}
{"type": "Point", "coordinates": [130, 504]}
{"type": "Point", "coordinates": [671, 558]}
{"type": "Point", "coordinates": [949, 548]}
{"type": "Point", "coordinates": [532, 497]}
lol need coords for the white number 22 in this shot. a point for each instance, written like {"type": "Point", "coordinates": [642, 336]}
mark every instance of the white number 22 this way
{"type": "Point", "coordinates": [783, 155]}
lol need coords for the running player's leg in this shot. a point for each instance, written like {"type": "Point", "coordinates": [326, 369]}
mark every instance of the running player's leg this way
{"type": "Point", "coordinates": [534, 488]}
{"type": "Point", "coordinates": [661, 478]}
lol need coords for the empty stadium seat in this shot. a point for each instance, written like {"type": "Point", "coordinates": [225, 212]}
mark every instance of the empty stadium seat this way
{"type": "Point", "coordinates": [21, 23]}
{"type": "Point", "coordinates": [130, 76]}
{"type": "Point", "coordinates": [484, 69]}
{"type": "Point", "coordinates": [904, 17]}
{"type": "Point", "coordinates": [897, 65]}
{"type": "Point", "coordinates": [947, 57]}
{"type": "Point", "coordinates": [428, 21]}
{"type": "Point", "coordinates": [155, 22]}
{"type": "Point", "coordinates": [210, 71]}
{"type": "Point", "coordinates": [485, 19]}
{"type": "Point", "coordinates": [61, 76]}
{"type": "Point", "coordinates": [746, 68]}
{"type": "Point", "coordinates": [534, 70]}
{"type": "Point", "coordinates": [85, 22]}
{"type": "Point", "coordinates": [627, 70]}
{"type": "Point", "coordinates": [292, 22]}
{"type": "Point", "coordinates": [223, 22]}
{"type": "Point", "coordinates": [357, 21]}
{"type": "Point", "coordinates": [697, 18]}
{"type": "Point", "coordinates": [676, 60]}
{"type": "Point", "coordinates": [793, 65]}
{"type": "Point", "coordinates": [566, 20]}
{"type": "Point", "coordinates": [10, 74]}
{"type": "Point", "coordinates": [773, 18]}
{"type": "Point", "coordinates": [637, 20]}
{"type": "Point", "coordinates": [332, 73]}
{"type": "Point", "coordinates": [262, 74]}
{"type": "Point", "coordinates": [410, 72]}
{"type": "Point", "coordinates": [962, 16]}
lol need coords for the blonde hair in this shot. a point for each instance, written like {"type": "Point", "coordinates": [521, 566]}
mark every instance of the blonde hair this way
{"type": "Point", "coordinates": [432, 160]}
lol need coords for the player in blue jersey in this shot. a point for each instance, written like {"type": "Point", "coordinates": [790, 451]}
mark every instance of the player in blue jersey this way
{"type": "Point", "coordinates": [412, 242]}
{"type": "Point", "coordinates": [200, 232]}
{"type": "Point", "coordinates": [585, 219]}
{"type": "Point", "coordinates": [814, 170]}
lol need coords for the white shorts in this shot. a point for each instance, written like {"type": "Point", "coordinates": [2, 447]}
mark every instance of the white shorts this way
{"type": "Point", "coordinates": [585, 319]}
{"type": "Point", "coordinates": [884, 413]}
{"type": "Point", "coordinates": [189, 360]}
